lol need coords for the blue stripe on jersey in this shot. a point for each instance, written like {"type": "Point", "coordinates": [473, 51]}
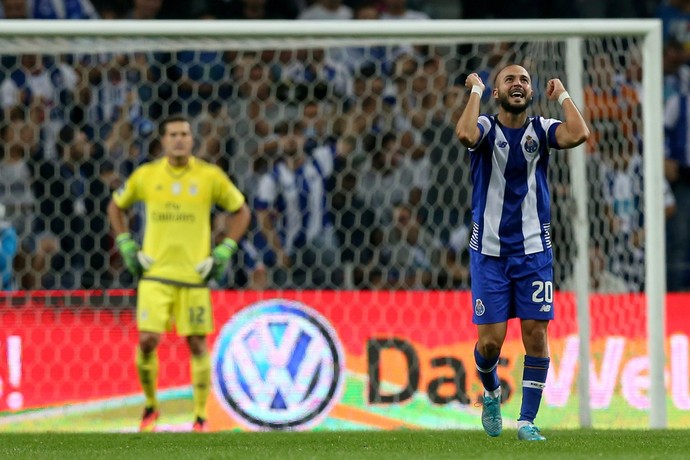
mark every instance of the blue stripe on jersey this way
{"type": "Point", "coordinates": [510, 197]}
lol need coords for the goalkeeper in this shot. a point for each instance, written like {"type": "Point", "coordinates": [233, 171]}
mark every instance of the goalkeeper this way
{"type": "Point", "coordinates": [176, 262]}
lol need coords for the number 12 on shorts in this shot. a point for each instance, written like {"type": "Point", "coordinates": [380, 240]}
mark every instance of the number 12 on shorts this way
{"type": "Point", "coordinates": [196, 315]}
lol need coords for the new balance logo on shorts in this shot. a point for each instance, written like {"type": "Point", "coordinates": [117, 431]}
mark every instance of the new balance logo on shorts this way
{"type": "Point", "coordinates": [545, 307]}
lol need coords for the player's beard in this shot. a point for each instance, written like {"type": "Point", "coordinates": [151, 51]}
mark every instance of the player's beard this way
{"type": "Point", "coordinates": [515, 109]}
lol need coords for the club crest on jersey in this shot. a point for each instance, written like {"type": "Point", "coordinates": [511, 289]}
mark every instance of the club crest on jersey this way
{"type": "Point", "coordinates": [193, 189]}
{"type": "Point", "coordinates": [531, 145]}
{"type": "Point", "coordinates": [479, 308]}
{"type": "Point", "coordinates": [176, 188]}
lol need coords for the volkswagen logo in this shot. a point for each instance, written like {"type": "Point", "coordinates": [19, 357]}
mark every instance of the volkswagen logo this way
{"type": "Point", "coordinates": [278, 365]}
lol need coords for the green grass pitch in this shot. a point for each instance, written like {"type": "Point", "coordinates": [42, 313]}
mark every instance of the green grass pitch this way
{"type": "Point", "coordinates": [561, 444]}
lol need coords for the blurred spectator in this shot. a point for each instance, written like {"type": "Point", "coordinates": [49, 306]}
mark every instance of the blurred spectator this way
{"type": "Point", "coordinates": [215, 143]}
{"type": "Point", "coordinates": [254, 260]}
{"type": "Point", "coordinates": [389, 178]}
{"type": "Point", "coordinates": [106, 82]}
{"type": "Point", "coordinates": [369, 113]}
{"type": "Point", "coordinates": [254, 112]}
{"type": "Point", "coordinates": [202, 81]}
{"type": "Point", "coordinates": [20, 142]}
{"type": "Point", "coordinates": [677, 168]}
{"type": "Point", "coordinates": [315, 75]}
{"type": "Point", "coordinates": [47, 9]}
{"type": "Point", "coordinates": [448, 196]}
{"type": "Point", "coordinates": [623, 188]}
{"type": "Point", "coordinates": [410, 258]}
{"type": "Point", "coordinates": [366, 61]}
{"type": "Point", "coordinates": [601, 279]}
{"type": "Point", "coordinates": [9, 242]}
{"type": "Point", "coordinates": [124, 146]}
{"type": "Point", "coordinates": [60, 186]}
{"type": "Point", "coordinates": [292, 213]}
{"type": "Point", "coordinates": [145, 9]}
{"type": "Point", "coordinates": [253, 9]}
{"type": "Point", "coordinates": [13, 9]}
{"type": "Point", "coordinates": [397, 9]}
{"type": "Point", "coordinates": [175, 9]}
{"type": "Point", "coordinates": [675, 17]}
{"type": "Point", "coordinates": [322, 10]}
{"type": "Point", "coordinates": [606, 9]}
{"type": "Point", "coordinates": [97, 243]}
{"type": "Point", "coordinates": [455, 255]}
{"type": "Point", "coordinates": [611, 102]}
{"type": "Point", "coordinates": [111, 9]}
{"type": "Point", "coordinates": [676, 70]}
{"type": "Point", "coordinates": [42, 89]}
{"type": "Point", "coordinates": [354, 225]}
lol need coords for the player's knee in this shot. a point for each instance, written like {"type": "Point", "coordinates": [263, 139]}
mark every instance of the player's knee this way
{"type": "Point", "coordinates": [148, 342]}
{"type": "Point", "coordinates": [536, 343]}
{"type": "Point", "coordinates": [489, 347]}
{"type": "Point", "coordinates": [197, 344]}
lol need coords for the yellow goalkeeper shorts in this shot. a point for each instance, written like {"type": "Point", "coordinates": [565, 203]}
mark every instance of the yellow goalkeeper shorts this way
{"type": "Point", "coordinates": [161, 306]}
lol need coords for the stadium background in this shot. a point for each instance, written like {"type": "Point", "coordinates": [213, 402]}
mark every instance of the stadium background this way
{"type": "Point", "coordinates": [67, 332]}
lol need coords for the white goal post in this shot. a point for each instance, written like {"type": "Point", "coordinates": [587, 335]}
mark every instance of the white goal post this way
{"type": "Point", "coordinates": [103, 36]}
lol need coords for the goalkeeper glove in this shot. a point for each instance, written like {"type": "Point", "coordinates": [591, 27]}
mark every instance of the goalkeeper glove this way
{"type": "Point", "coordinates": [145, 261]}
{"type": "Point", "coordinates": [214, 266]}
{"type": "Point", "coordinates": [128, 249]}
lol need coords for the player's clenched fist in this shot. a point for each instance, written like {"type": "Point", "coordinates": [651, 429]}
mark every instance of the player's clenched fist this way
{"type": "Point", "coordinates": [474, 79]}
{"type": "Point", "coordinates": [554, 88]}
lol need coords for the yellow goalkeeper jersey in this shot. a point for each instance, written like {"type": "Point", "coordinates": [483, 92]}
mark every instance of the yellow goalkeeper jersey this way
{"type": "Point", "coordinates": [178, 203]}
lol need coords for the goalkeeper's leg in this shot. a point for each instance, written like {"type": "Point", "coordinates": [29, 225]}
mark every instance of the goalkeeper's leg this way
{"type": "Point", "coordinates": [147, 369]}
{"type": "Point", "coordinates": [201, 379]}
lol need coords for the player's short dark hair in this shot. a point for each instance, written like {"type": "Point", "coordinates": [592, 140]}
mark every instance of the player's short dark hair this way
{"type": "Point", "coordinates": [171, 119]}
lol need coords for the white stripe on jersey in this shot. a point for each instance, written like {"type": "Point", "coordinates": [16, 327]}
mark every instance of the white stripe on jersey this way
{"type": "Point", "coordinates": [531, 226]}
{"type": "Point", "coordinates": [491, 242]}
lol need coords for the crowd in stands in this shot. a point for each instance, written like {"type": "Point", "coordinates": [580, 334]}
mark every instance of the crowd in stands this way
{"type": "Point", "coordinates": [347, 157]}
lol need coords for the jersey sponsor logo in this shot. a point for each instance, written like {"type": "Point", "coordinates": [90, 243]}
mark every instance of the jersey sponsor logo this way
{"type": "Point", "coordinates": [181, 217]}
{"type": "Point", "coordinates": [479, 307]}
{"type": "Point", "coordinates": [531, 144]}
{"type": "Point", "coordinates": [546, 308]}
{"type": "Point", "coordinates": [278, 364]}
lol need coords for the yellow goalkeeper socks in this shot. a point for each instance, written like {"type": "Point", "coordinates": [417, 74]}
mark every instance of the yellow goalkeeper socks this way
{"type": "Point", "coordinates": [147, 367]}
{"type": "Point", "coordinates": [201, 383]}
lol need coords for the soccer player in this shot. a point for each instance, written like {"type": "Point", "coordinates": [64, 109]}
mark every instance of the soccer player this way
{"type": "Point", "coordinates": [511, 263]}
{"type": "Point", "coordinates": [176, 261]}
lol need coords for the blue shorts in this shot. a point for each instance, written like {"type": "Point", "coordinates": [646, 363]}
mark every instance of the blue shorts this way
{"type": "Point", "coordinates": [510, 287]}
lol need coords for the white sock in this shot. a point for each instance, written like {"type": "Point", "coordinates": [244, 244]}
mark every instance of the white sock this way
{"type": "Point", "coordinates": [493, 394]}
{"type": "Point", "coordinates": [522, 423]}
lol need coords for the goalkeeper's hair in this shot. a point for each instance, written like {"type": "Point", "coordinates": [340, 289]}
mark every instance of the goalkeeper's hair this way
{"type": "Point", "coordinates": [171, 119]}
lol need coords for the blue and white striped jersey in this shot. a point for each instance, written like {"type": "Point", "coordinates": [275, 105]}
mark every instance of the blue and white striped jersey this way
{"type": "Point", "coordinates": [299, 197]}
{"type": "Point", "coordinates": [511, 212]}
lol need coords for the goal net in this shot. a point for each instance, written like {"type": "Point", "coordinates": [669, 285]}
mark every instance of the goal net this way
{"type": "Point", "coordinates": [341, 136]}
